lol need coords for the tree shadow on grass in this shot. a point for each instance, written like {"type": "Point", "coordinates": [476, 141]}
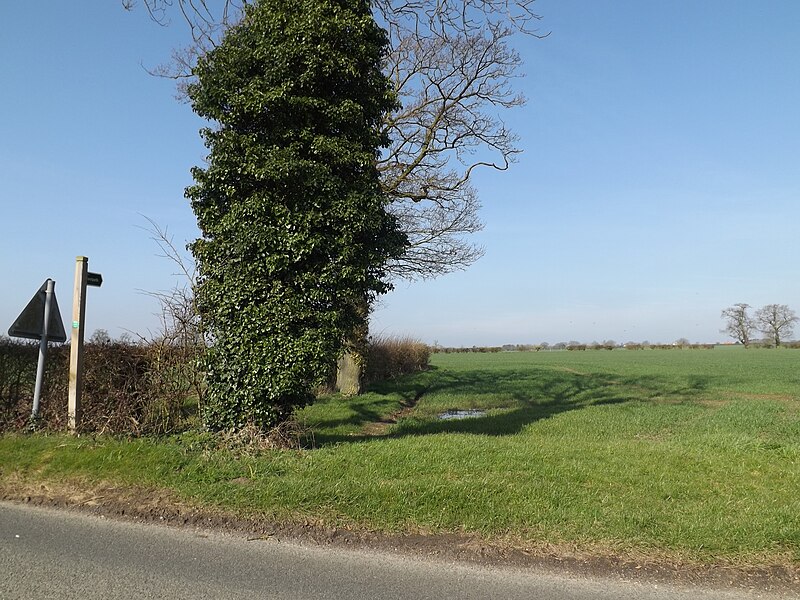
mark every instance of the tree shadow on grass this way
{"type": "Point", "coordinates": [357, 411]}
{"type": "Point", "coordinates": [512, 398]}
{"type": "Point", "coordinates": [519, 398]}
{"type": "Point", "coordinates": [376, 405]}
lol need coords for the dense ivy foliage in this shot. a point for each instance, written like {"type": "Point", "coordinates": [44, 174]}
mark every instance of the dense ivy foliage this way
{"type": "Point", "coordinates": [295, 233]}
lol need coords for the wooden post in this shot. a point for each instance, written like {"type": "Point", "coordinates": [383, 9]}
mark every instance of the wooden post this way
{"type": "Point", "coordinates": [76, 344]}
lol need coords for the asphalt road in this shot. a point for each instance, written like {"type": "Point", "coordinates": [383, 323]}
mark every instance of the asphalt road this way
{"type": "Point", "coordinates": [46, 553]}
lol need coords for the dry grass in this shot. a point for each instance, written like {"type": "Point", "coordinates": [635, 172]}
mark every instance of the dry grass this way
{"type": "Point", "coordinates": [392, 357]}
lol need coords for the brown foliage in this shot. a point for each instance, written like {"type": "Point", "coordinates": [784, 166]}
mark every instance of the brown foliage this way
{"type": "Point", "coordinates": [131, 389]}
{"type": "Point", "coordinates": [392, 357]}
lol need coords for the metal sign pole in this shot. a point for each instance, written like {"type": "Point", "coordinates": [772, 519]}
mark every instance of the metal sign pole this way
{"type": "Point", "coordinates": [37, 393]}
{"type": "Point", "coordinates": [76, 344]}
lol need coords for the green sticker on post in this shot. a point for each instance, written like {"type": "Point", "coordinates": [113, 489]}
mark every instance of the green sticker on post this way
{"type": "Point", "coordinates": [75, 324]}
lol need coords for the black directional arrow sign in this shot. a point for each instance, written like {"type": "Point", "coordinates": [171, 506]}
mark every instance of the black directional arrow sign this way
{"type": "Point", "coordinates": [95, 279]}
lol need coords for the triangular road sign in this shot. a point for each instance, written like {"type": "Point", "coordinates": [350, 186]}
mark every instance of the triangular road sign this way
{"type": "Point", "coordinates": [29, 322]}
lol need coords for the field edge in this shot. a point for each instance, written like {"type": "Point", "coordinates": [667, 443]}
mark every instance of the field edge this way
{"type": "Point", "coordinates": [165, 508]}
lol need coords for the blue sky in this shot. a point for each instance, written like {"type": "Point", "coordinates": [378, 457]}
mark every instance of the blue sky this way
{"type": "Point", "coordinates": [658, 184]}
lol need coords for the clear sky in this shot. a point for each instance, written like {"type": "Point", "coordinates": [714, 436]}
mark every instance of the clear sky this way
{"type": "Point", "coordinates": [659, 181]}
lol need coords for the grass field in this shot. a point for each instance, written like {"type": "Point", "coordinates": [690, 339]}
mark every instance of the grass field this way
{"type": "Point", "coordinates": [689, 454]}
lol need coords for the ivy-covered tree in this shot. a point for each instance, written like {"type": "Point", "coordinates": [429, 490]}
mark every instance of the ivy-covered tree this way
{"type": "Point", "coordinates": [295, 235]}
{"type": "Point", "coordinates": [452, 64]}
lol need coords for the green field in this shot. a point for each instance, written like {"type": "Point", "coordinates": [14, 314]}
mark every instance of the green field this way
{"type": "Point", "coordinates": [688, 454]}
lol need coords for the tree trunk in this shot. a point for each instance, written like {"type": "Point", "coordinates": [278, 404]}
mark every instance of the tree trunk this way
{"type": "Point", "coordinates": [350, 367]}
{"type": "Point", "coordinates": [348, 373]}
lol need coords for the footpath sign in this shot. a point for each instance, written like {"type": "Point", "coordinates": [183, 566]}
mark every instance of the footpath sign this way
{"type": "Point", "coordinates": [83, 277]}
{"type": "Point", "coordinates": [40, 320]}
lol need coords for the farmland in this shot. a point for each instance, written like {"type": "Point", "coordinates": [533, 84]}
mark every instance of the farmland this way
{"type": "Point", "coordinates": [689, 454]}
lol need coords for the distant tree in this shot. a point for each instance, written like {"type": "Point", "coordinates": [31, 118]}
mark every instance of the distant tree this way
{"type": "Point", "coordinates": [739, 324]}
{"type": "Point", "coordinates": [775, 321]}
{"type": "Point", "coordinates": [295, 235]}
{"type": "Point", "coordinates": [682, 342]}
{"type": "Point", "coordinates": [126, 339]}
{"type": "Point", "coordinates": [100, 337]}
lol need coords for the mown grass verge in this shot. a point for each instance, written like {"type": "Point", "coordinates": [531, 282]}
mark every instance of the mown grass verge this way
{"type": "Point", "coordinates": [685, 454]}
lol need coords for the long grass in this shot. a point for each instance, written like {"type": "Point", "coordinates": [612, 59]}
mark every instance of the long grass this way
{"type": "Point", "coordinates": [690, 453]}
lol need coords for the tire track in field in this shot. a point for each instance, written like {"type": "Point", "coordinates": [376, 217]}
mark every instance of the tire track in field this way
{"type": "Point", "coordinates": [378, 428]}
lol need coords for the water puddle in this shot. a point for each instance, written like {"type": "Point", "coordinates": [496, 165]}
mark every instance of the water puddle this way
{"type": "Point", "coordinates": [461, 414]}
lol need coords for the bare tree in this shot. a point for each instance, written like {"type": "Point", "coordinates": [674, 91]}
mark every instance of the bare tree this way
{"type": "Point", "coordinates": [776, 321]}
{"type": "Point", "coordinates": [452, 66]}
{"type": "Point", "coordinates": [739, 324]}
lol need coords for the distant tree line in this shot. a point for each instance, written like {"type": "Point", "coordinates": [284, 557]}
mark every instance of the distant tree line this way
{"type": "Point", "coordinates": [775, 321]}
{"type": "Point", "coordinates": [574, 346]}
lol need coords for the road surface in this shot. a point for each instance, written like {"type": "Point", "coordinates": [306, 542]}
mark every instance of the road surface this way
{"type": "Point", "coordinates": [46, 553]}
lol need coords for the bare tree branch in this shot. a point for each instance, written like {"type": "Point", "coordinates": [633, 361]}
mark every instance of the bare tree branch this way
{"type": "Point", "coordinates": [180, 337]}
{"type": "Point", "coordinates": [187, 268]}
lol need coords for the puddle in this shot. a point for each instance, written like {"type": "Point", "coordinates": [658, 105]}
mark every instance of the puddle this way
{"type": "Point", "coordinates": [461, 414]}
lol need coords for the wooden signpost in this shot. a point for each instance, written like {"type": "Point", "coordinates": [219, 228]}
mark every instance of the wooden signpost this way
{"type": "Point", "coordinates": [82, 279]}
